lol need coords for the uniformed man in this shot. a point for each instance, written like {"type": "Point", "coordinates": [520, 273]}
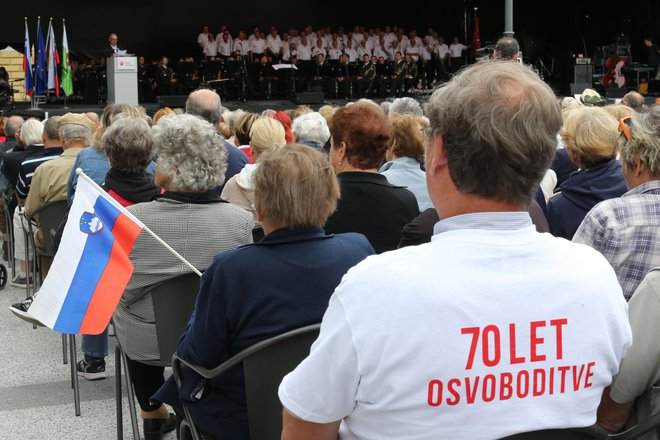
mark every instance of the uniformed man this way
{"type": "Point", "coordinates": [365, 79]}
{"type": "Point", "coordinates": [165, 80]}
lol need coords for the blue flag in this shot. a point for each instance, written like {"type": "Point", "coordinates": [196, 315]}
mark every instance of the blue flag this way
{"type": "Point", "coordinates": [40, 63]}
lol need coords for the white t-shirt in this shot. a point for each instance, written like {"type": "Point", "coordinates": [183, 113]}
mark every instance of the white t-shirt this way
{"type": "Point", "coordinates": [210, 48]}
{"type": "Point", "coordinates": [334, 54]}
{"type": "Point", "coordinates": [380, 52]}
{"type": "Point", "coordinates": [241, 46]}
{"type": "Point", "coordinates": [224, 47]}
{"type": "Point", "coordinates": [470, 336]}
{"type": "Point", "coordinates": [202, 38]}
{"type": "Point", "coordinates": [318, 50]}
{"type": "Point", "coordinates": [304, 53]}
{"type": "Point", "coordinates": [274, 44]}
{"type": "Point", "coordinates": [414, 51]}
{"type": "Point", "coordinates": [456, 50]}
{"type": "Point", "coordinates": [442, 50]}
{"type": "Point", "coordinates": [352, 54]}
{"type": "Point", "coordinates": [258, 45]}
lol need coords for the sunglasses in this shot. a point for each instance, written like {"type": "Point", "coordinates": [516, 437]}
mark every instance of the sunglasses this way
{"type": "Point", "coordinates": [625, 125]}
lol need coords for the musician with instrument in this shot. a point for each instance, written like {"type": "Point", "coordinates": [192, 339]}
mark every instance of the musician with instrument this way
{"type": "Point", "coordinates": [398, 77]}
{"type": "Point", "coordinates": [365, 78]}
{"type": "Point", "coordinates": [411, 73]}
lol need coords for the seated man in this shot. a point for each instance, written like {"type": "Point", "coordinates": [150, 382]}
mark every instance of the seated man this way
{"type": "Point", "coordinates": [626, 230]}
{"type": "Point", "coordinates": [469, 336]}
{"type": "Point", "coordinates": [50, 178]}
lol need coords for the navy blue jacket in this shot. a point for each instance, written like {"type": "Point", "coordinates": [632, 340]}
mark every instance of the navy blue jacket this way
{"type": "Point", "coordinates": [581, 192]}
{"type": "Point", "coordinates": [247, 295]}
{"type": "Point", "coordinates": [563, 166]}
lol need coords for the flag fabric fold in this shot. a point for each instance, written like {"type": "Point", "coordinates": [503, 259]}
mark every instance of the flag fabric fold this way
{"type": "Point", "coordinates": [67, 74]}
{"type": "Point", "coordinates": [476, 37]}
{"type": "Point", "coordinates": [27, 63]}
{"type": "Point", "coordinates": [91, 268]}
{"type": "Point", "coordinates": [52, 61]}
{"type": "Point", "coordinates": [40, 63]}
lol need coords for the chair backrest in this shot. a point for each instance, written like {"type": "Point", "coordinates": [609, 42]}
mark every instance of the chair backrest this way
{"type": "Point", "coordinates": [50, 218]}
{"type": "Point", "coordinates": [588, 433]}
{"type": "Point", "coordinates": [264, 370]}
{"type": "Point", "coordinates": [174, 302]}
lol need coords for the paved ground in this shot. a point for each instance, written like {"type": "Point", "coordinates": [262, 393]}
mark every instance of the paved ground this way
{"type": "Point", "coordinates": [36, 398]}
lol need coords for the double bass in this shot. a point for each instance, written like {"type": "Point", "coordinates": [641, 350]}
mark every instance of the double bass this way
{"type": "Point", "coordinates": [615, 72]}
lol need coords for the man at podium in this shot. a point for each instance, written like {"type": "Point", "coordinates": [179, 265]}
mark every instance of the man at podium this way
{"type": "Point", "coordinates": [113, 48]}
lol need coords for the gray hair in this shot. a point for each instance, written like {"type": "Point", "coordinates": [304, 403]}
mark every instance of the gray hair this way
{"type": "Point", "coordinates": [311, 127]}
{"type": "Point", "coordinates": [385, 106]}
{"type": "Point", "coordinates": [76, 132]}
{"type": "Point", "coordinates": [633, 100]}
{"type": "Point", "coordinates": [406, 106]}
{"type": "Point", "coordinates": [499, 124]}
{"type": "Point", "coordinates": [644, 143]}
{"type": "Point", "coordinates": [190, 152]}
{"type": "Point", "coordinates": [205, 104]}
{"type": "Point", "coordinates": [129, 144]}
{"type": "Point", "coordinates": [31, 132]}
{"type": "Point", "coordinates": [13, 124]}
{"type": "Point", "coordinates": [51, 128]}
{"type": "Point", "coordinates": [507, 48]}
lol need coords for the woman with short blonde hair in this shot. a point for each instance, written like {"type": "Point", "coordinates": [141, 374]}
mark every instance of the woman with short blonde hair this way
{"type": "Point", "coordinates": [591, 136]}
{"type": "Point", "coordinates": [266, 134]}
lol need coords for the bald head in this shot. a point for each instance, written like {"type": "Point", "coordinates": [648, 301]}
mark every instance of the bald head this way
{"type": "Point", "coordinates": [12, 125]}
{"type": "Point", "coordinates": [206, 104]}
{"type": "Point", "coordinates": [633, 100]}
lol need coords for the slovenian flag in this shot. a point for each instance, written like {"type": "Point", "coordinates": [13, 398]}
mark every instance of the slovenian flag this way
{"type": "Point", "coordinates": [27, 63]}
{"type": "Point", "coordinates": [91, 268]}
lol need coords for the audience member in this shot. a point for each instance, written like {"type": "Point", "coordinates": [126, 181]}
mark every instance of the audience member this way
{"type": "Point", "coordinates": [93, 161]}
{"type": "Point", "coordinates": [12, 126]}
{"type": "Point", "coordinates": [206, 104]}
{"type": "Point", "coordinates": [591, 136]}
{"type": "Point", "coordinates": [633, 396]}
{"type": "Point", "coordinates": [165, 111]}
{"type": "Point", "coordinates": [311, 129]}
{"type": "Point", "coordinates": [405, 155]}
{"type": "Point", "coordinates": [369, 204]}
{"type": "Point", "coordinates": [414, 336]}
{"type": "Point", "coordinates": [191, 162]}
{"type": "Point", "coordinates": [506, 49]}
{"type": "Point", "coordinates": [626, 230]}
{"type": "Point", "coordinates": [405, 106]}
{"type": "Point", "coordinates": [242, 133]}
{"type": "Point", "coordinates": [266, 134]}
{"type": "Point", "coordinates": [633, 100]}
{"type": "Point", "coordinates": [262, 290]}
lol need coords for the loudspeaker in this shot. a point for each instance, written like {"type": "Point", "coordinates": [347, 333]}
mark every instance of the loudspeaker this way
{"type": "Point", "coordinates": [582, 73]}
{"type": "Point", "coordinates": [579, 88]}
{"type": "Point", "coordinates": [309, 98]}
{"type": "Point", "coordinates": [172, 101]}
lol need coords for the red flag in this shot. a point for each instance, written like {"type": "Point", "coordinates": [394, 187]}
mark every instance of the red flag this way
{"type": "Point", "coordinates": [476, 41]}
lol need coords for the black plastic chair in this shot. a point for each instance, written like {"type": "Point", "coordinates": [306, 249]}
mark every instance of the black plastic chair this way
{"type": "Point", "coordinates": [6, 198]}
{"type": "Point", "coordinates": [265, 364]}
{"type": "Point", "coordinates": [589, 433]}
{"type": "Point", "coordinates": [174, 302]}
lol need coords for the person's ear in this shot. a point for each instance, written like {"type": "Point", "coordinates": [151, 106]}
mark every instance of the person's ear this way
{"type": "Point", "coordinates": [436, 156]}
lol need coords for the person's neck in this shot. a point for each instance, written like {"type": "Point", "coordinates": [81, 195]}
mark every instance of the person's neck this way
{"type": "Point", "coordinates": [52, 144]}
{"type": "Point", "coordinates": [74, 144]}
{"type": "Point", "coordinates": [460, 204]}
{"type": "Point", "coordinates": [348, 168]}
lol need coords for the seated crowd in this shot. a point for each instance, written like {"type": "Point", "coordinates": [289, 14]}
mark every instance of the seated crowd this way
{"type": "Point", "coordinates": [417, 238]}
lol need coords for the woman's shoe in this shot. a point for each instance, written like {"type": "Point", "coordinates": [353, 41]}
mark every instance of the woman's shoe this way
{"type": "Point", "coordinates": [155, 428]}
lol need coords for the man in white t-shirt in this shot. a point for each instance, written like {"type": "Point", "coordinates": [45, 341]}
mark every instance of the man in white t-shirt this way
{"type": "Point", "coordinates": [456, 49]}
{"type": "Point", "coordinates": [274, 45]}
{"type": "Point", "coordinates": [470, 336]}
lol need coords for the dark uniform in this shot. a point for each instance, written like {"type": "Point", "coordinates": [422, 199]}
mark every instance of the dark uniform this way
{"type": "Point", "coordinates": [365, 79]}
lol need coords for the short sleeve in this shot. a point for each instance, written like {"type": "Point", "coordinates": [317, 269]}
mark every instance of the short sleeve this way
{"type": "Point", "coordinates": [323, 388]}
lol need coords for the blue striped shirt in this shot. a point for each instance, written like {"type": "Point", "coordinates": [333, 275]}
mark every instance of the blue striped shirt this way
{"type": "Point", "coordinates": [28, 167]}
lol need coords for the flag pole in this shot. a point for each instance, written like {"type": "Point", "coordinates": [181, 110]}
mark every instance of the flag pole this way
{"type": "Point", "coordinates": [80, 173]}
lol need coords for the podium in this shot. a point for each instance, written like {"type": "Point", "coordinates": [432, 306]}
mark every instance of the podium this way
{"type": "Point", "coordinates": [122, 80]}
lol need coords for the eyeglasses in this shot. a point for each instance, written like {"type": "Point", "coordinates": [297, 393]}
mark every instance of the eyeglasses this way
{"type": "Point", "coordinates": [625, 125]}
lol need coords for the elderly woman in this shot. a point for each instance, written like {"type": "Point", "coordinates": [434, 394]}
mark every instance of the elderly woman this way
{"type": "Point", "coordinates": [94, 161]}
{"type": "Point", "coordinates": [369, 204]}
{"type": "Point", "coordinates": [191, 219]}
{"type": "Point", "coordinates": [266, 134]}
{"type": "Point", "coordinates": [311, 129]}
{"type": "Point", "coordinates": [129, 145]}
{"type": "Point", "coordinates": [405, 155]}
{"type": "Point", "coordinates": [242, 132]}
{"type": "Point", "coordinates": [591, 135]}
{"type": "Point", "coordinates": [238, 307]}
